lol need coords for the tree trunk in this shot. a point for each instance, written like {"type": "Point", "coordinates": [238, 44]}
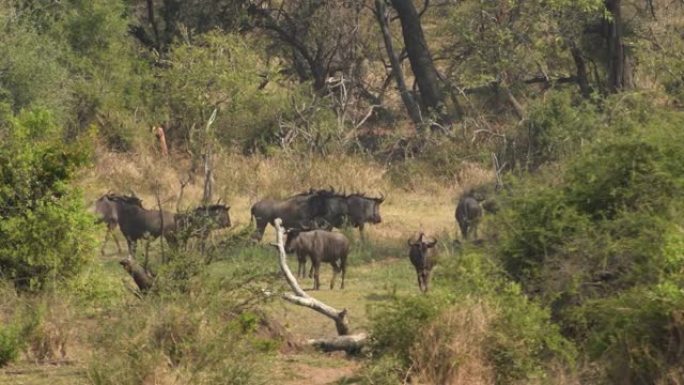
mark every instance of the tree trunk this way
{"type": "Point", "coordinates": [421, 61]}
{"type": "Point", "coordinates": [410, 103]}
{"type": "Point", "coordinates": [582, 75]}
{"type": "Point", "coordinates": [153, 22]}
{"type": "Point", "coordinates": [617, 76]}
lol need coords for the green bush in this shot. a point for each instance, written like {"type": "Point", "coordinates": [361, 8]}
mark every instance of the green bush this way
{"type": "Point", "coordinates": [395, 326]}
{"type": "Point", "coordinates": [204, 337]}
{"type": "Point", "coordinates": [218, 71]}
{"type": "Point", "coordinates": [10, 344]}
{"type": "Point", "coordinates": [555, 128]}
{"type": "Point", "coordinates": [517, 338]}
{"type": "Point", "coordinates": [46, 235]}
{"type": "Point", "coordinates": [636, 334]}
{"type": "Point", "coordinates": [598, 239]}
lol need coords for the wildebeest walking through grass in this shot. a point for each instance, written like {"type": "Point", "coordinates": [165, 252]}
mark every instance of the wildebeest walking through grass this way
{"type": "Point", "coordinates": [468, 215]}
{"type": "Point", "coordinates": [422, 254]}
{"type": "Point", "coordinates": [137, 222]}
{"type": "Point", "coordinates": [106, 209]}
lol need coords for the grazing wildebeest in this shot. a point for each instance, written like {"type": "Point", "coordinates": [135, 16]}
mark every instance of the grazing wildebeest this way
{"type": "Point", "coordinates": [137, 222]}
{"type": "Point", "coordinates": [422, 254]}
{"type": "Point", "coordinates": [298, 211]}
{"type": "Point", "coordinates": [143, 279]}
{"type": "Point", "coordinates": [319, 246]}
{"type": "Point", "coordinates": [105, 207]}
{"type": "Point", "coordinates": [202, 220]}
{"type": "Point", "coordinates": [354, 209]}
{"type": "Point", "coordinates": [468, 215]}
{"type": "Point", "coordinates": [363, 209]}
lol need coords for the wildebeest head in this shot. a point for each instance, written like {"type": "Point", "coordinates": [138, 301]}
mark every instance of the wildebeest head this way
{"type": "Point", "coordinates": [291, 239]}
{"type": "Point", "coordinates": [217, 213]}
{"type": "Point", "coordinates": [421, 246]}
{"type": "Point", "coordinates": [365, 209]}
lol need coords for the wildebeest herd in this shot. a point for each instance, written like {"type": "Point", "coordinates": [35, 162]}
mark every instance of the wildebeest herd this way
{"type": "Point", "coordinates": [308, 217]}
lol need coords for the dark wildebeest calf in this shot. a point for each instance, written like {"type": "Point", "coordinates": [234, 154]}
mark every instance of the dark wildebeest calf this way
{"type": "Point", "coordinates": [468, 215]}
{"type": "Point", "coordinates": [137, 222]}
{"type": "Point", "coordinates": [298, 211]}
{"type": "Point", "coordinates": [105, 207]}
{"type": "Point", "coordinates": [319, 246]}
{"type": "Point", "coordinates": [422, 254]}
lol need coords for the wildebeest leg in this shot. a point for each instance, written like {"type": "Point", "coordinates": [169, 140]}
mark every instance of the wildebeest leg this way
{"type": "Point", "coordinates": [343, 267]}
{"type": "Point", "coordinates": [131, 246]}
{"type": "Point", "coordinates": [316, 268]}
{"type": "Point", "coordinates": [426, 280]}
{"type": "Point", "coordinates": [260, 228]}
{"type": "Point", "coordinates": [363, 237]}
{"type": "Point", "coordinates": [420, 280]}
{"type": "Point", "coordinates": [301, 265]}
{"type": "Point", "coordinates": [116, 240]}
{"type": "Point", "coordinates": [147, 253]}
{"type": "Point", "coordinates": [336, 269]}
{"type": "Point", "coordinates": [104, 243]}
{"type": "Point", "coordinates": [464, 230]}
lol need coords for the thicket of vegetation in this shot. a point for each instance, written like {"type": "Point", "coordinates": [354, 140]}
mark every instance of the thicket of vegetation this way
{"type": "Point", "coordinates": [580, 276]}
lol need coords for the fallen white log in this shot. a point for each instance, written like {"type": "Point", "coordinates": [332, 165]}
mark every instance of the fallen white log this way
{"type": "Point", "coordinates": [351, 343]}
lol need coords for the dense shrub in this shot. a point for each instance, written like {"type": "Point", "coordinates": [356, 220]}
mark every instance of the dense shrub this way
{"type": "Point", "coordinates": [200, 337]}
{"type": "Point", "coordinates": [596, 240]}
{"type": "Point", "coordinates": [10, 344]}
{"type": "Point", "coordinates": [556, 127]}
{"type": "Point", "coordinates": [45, 232]}
{"type": "Point", "coordinates": [479, 328]}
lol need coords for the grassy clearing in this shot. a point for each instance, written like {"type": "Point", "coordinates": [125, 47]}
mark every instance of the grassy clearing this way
{"type": "Point", "coordinates": [377, 269]}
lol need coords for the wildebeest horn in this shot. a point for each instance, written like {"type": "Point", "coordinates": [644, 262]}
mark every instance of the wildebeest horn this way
{"type": "Point", "coordinates": [218, 201]}
{"type": "Point", "coordinates": [382, 198]}
{"type": "Point", "coordinates": [431, 244]}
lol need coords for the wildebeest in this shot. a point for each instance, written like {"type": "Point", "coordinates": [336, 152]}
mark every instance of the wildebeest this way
{"type": "Point", "coordinates": [354, 209]}
{"type": "Point", "coordinates": [363, 209]}
{"type": "Point", "coordinates": [105, 207]}
{"type": "Point", "coordinates": [137, 222]}
{"type": "Point", "coordinates": [422, 254]}
{"type": "Point", "coordinates": [468, 215]}
{"type": "Point", "coordinates": [201, 221]}
{"type": "Point", "coordinates": [319, 246]}
{"type": "Point", "coordinates": [297, 211]}
{"type": "Point", "coordinates": [143, 279]}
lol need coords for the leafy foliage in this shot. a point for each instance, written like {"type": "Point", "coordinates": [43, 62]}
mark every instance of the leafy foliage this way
{"type": "Point", "coordinates": [600, 236]}
{"type": "Point", "coordinates": [45, 232]}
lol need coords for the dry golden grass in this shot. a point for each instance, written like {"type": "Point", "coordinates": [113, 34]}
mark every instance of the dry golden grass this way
{"type": "Point", "coordinates": [452, 349]}
{"type": "Point", "coordinates": [243, 180]}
